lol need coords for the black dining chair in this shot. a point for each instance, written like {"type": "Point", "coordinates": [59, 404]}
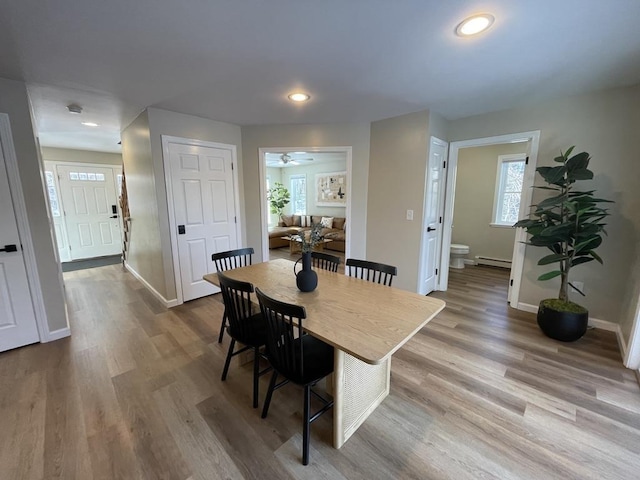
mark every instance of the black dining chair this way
{"type": "Point", "coordinates": [296, 356]}
{"type": "Point", "coordinates": [245, 327]}
{"type": "Point", "coordinates": [371, 271]}
{"type": "Point", "coordinates": [227, 261]}
{"type": "Point", "coordinates": [325, 261]}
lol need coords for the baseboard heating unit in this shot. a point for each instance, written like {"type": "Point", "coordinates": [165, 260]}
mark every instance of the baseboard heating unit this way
{"type": "Point", "coordinates": [492, 261]}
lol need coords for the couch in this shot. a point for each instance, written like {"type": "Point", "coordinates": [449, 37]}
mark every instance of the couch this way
{"type": "Point", "coordinates": [292, 225]}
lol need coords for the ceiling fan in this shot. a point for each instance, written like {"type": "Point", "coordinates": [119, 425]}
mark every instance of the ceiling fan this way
{"type": "Point", "coordinates": [273, 160]}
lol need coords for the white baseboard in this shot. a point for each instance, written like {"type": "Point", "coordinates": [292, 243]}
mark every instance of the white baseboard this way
{"type": "Point", "coordinates": [468, 261]}
{"type": "Point", "coordinates": [154, 292]}
{"type": "Point", "coordinates": [57, 334]}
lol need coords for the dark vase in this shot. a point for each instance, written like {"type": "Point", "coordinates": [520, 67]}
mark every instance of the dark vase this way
{"type": "Point", "coordinates": [563, 326]}
{"type": "Point", "coordinates": [306, 279]}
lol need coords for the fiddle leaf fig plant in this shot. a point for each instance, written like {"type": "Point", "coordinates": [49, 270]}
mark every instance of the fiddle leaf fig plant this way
{"type": "Point", "coordinates": [278, 197]}
{"type": "Point", "coordinates": [569, 223]}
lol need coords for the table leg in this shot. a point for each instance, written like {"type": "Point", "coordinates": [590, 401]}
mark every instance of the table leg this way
{"type": "Point", "coordinates": [358, 388]}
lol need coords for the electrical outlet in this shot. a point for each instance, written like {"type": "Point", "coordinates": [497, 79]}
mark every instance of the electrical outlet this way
{"type": "Point", "coordinates": [578, 285]}
{"type": "Point", "coordinates": [409, 214]}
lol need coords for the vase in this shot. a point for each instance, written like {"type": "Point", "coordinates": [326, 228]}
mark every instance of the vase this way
{"type": "Point", "coordinates": [306, 279]}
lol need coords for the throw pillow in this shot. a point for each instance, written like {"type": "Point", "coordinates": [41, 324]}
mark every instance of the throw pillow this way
{"type": "Point", "coordinates": [287, 220]}
{"type": "Point", "coordinates": [305, 220]}
{"type": "Point", "coordinates": [327, 222]}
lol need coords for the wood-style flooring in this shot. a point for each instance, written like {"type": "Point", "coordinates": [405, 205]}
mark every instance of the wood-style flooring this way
{"type": "Point", "coordinates": [135, 393]}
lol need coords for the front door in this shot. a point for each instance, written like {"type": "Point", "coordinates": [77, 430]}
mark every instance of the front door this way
{"type": "Point", "coordinates": [432, 221]}
{"type": "Point", "coordinates": [90, 209]}
{"type": "Point", "coordinates": [17, 318]}
{"type": "Point", "coordinates": [205, 212]}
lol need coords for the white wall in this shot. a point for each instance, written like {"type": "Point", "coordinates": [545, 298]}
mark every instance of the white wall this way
{"type": "Point", "coordinates": [606, 125]}
{"type": "Point", "coordinates": [15, 103]}
{"type": "Point", "coordinates": [473, 206]}
{"type": "Point", "coordinates": [50, 154]}
{"type": "Point", "coordinates": [355, 135]}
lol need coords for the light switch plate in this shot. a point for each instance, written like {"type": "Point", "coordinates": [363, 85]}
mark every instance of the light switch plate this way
{"type": "Point", "coordinates": [409, 214]}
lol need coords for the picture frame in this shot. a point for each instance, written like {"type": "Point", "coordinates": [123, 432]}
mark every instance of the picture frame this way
{"type": "Point", "coordinates": [331, 189]}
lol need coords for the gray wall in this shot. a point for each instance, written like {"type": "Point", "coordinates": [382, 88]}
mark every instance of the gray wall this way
{"type": "Point", "coordinates": [398, 165]}
{"type": "Point", "coordinates": [150, 248]}
{"type": "Point", "coordinates": [606, 125]}
{"type": "Point", "coordinates": [15, 103]}
{"type": "Point", "coordinates": [81, 156]}
{"type": "Point", "coordinates": [473, 205]}
{"type": "Point", "coordinates": [355, 135]}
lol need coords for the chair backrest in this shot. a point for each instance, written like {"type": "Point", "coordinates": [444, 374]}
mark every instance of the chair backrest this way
{"type": "Point", "coordinates": [237, 304]}
{"type": "Point", "coordinates": [325, 261]}
{"type": "Point", "coordinates": [232, 259]}
{"type": "Point", "coordinates": [371, 271]}
{"type": "Point", "coordinates": [285, 348]}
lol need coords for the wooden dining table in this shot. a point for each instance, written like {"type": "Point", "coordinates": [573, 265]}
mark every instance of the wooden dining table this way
{"type": "Point", "coordinates": [365, 323]}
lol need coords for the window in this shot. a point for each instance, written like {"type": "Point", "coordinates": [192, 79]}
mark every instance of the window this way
{"type": "Point", "coordinates": [298, 194]}
{"type": "Point", "coordinates": [506, 205]}
{"type": "Point", "coordinates": [53, 195]}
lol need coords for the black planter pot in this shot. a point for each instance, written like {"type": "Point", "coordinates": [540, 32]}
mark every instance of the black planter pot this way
{"type": "Point", "coordinates": [306, 279]}
{"type": "Point", "coordinates": [560, 325]}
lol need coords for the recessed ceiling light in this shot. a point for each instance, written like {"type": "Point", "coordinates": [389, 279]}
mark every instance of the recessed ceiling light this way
{"type": "Point", "coordinates": [299, 153]}
{"type": "Point", "coordinates": [89, 124]}
{"type": "Point", "coordinates": [299, 97]}
{"type": "Point", "coordinates": [475, 24]}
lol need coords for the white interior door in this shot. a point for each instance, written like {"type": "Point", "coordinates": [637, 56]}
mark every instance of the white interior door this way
{"type": "Point", "coordinates": [432, 220]}
{"type": "Point", "coordinates": [17, 318]}
{"type": "Point", "coordinates": [205, 213]}
{"type": "Point", "coordinates": [90, 208]}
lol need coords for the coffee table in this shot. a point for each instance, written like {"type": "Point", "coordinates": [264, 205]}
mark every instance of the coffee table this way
{"type": "Point", "coordinates": [295, 244]}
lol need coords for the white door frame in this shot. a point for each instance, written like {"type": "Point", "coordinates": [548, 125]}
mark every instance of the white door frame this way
{"type": "Point", "coordinates": [115, 169]}
{"type": "Point", "coordinates": [166, 140]}
{"type": "Point", "coordinates": [441, 201]}
{"type": "Point", "coordinates": [632, 359]}
{"type": "Point", "coordinates": [28, 250]}
{"type": "Point", "coordinates": [517, 264]}
{"type": "Point", "coordinates": [264, 207]}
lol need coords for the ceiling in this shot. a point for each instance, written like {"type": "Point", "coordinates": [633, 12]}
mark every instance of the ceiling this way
{"type": "Point", "coordinates": [360, 60]}
{"type": "Point", "coordinates": [301, 159]}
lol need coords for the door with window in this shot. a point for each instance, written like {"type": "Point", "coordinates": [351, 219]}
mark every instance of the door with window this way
{"type": "Point", "coordinates": [90, 211]}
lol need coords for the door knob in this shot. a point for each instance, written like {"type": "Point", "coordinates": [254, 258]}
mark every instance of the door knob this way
{"type": "Point", "coordinates": [9, 248]}
{"type": "Point", "coordinates": [429, 229]}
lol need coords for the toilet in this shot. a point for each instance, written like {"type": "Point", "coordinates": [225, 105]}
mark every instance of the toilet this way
{"type": "Point", "coordinates": [458, 252]}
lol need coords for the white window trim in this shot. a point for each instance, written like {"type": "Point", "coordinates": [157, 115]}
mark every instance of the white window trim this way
{"type": "Point", "coordinates": [502, 159]}
{"type": "Point", "coordinates": [298, 176]}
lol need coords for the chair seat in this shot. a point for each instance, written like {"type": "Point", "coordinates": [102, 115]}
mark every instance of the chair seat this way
{"type": "Point", "coordinates": [257, 331]}
{"type": "Point", "coordinates": [318, 361]}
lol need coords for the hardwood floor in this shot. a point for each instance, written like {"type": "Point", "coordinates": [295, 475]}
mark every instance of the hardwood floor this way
{"type": "Point", "coordinates": [478, 393]}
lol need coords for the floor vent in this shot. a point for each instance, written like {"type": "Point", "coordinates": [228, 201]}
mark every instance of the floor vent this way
{"type": "Point", "coordinates": [493, 262]}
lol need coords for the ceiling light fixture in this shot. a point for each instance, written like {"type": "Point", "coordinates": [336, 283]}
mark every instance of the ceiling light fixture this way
{"type": "Point", "coordinates": [74, 108]}
{"type": "Point", "coordinates": [474, 24]}
{"type": "Point", "coordinates": [90, 124]}
{"type": "Point", "coordinates": [299, 97]}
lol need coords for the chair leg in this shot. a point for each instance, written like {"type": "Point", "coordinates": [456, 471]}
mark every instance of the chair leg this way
{"type": "Point", "coordinates": [224, 324]}
{"type": "Point", "coordinates": [256, 375]}
{"type": "Point", "coordinates": [228, 360]}
{"type": "Point", "coordinates": [267, 400]}
{"type": "Point", "coordinates": [306, 428]}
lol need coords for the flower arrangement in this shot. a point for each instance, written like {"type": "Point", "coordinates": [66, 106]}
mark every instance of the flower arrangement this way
{"type": "Point", "coordinates": [311, 238]}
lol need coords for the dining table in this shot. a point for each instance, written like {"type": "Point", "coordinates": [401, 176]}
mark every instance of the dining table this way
{"type": "Point", "coordinates": [365, 322]}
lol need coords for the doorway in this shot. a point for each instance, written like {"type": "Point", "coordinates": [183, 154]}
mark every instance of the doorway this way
{"type": "Point", "coordinates": [531, 140]}
{"type": "Point", "coordinates": [292, 166]}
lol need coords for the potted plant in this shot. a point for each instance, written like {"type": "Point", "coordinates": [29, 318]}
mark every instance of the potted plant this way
{"type": "Point", "coordinates": [569, 224]}
{"type": "Point", "coordinates": [278, 197]}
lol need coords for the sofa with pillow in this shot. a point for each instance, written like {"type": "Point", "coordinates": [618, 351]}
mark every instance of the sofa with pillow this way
{"type": "Point", "coordinates": [334, 228]}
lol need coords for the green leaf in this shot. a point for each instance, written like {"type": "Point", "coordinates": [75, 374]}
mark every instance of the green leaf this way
{"type": "Point", "coordinates": [552, 259]}
{"type": "Point", "coordinates": [582, 174]}
{"type": "Point", "coordinates": [568, 152]}
{"type": "Point", "coordinates": [596, 256]}
{"type": "Point", "coordinates": [579, 161]}
{"type": "Point", "coordinates": [554, 174]}
{"type": "Point", "coordinates": [579, 260]}
{"type": "Point", "coordinates": [549, 275]}
{"type": "Point", "coordinates": [551, 202]}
